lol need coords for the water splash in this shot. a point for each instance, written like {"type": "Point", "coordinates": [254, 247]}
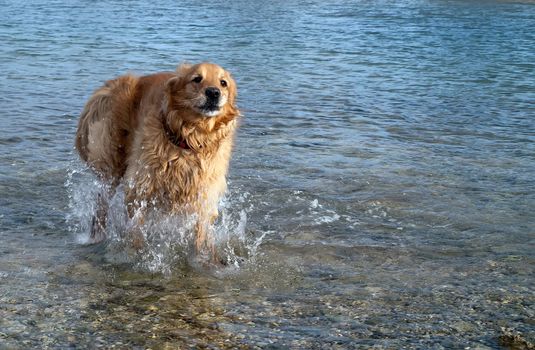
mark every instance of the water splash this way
{"type": "Point", "coordinates": [83, 189]}
{"type": "Point", "coordinates": [168, 239]}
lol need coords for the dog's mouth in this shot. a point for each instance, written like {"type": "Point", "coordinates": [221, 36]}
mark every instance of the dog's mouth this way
{"type": "Point", "coordinates": [210, 108]}
{"type": "Point", "coordinates": [210, 103]}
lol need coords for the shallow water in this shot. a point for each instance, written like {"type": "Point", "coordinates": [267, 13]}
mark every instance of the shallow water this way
{"type": "Point", "coordinates": [381, 191]}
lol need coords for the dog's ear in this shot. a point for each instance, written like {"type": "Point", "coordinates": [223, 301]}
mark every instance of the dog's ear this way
{"type": "Point", "coordinates": [233, 89]}
{"type": "Point", "coordinates": [183, 69]}
{"type": "Point", "coordinates": [173, 84]}
{"type": "Point", "coordinates": [233, 94]}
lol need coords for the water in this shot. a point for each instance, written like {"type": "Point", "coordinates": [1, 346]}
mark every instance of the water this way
{"type": "Point", "coordinates": [381, 190]}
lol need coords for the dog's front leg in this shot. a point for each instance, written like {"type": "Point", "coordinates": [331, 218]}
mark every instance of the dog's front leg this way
{"type": "Point", "coordinates": [134, 233]}
{"type": "Point", "coordinates": [203, 240]}
{"type": "Point", "coordinates": [98, 222]}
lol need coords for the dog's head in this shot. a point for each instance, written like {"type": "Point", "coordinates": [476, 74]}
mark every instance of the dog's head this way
{"type": "Point", "coordinates": [204, 90]}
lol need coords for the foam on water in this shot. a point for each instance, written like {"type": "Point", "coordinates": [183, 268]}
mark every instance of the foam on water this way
{"type": "Point", "coordinates": [168, 239]}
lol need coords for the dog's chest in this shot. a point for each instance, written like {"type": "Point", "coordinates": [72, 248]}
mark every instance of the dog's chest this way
{"type": "Point", "coordinates": [182, 178]}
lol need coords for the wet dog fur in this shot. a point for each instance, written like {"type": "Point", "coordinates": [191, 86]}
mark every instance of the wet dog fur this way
{"type": "Point", "coordinates": [168, 138]}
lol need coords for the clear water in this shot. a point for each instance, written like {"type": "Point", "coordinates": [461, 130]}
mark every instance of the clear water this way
{"type": "Point", "coordinates": [381, 191]}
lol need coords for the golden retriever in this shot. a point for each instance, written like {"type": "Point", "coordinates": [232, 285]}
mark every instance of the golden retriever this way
{"type": "Point", "coordinates": [168, 138]}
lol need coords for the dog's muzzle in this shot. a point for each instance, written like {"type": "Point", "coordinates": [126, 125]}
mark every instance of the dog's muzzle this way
{"type": "Point", "coordinates": [213, 102]}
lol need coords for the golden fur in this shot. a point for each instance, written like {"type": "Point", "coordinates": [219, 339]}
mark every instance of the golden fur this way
{"type": "Point", "coordinates": [128, 133]}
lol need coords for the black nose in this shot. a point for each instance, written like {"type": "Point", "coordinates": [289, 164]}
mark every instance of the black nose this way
{"type": "Point", "coordinates": [212, 93]}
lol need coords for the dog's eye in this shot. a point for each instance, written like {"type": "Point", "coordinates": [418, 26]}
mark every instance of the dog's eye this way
{"type": "Point", "coordinates": [223, 83]}
{"type": "Point", "coordinates": [197, 79]}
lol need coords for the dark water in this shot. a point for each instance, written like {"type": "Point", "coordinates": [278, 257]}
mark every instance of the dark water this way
{"type": "Point", "coordinates": [381, 190]}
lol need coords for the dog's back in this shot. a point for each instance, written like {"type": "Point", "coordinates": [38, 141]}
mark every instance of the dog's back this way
{"type": "Point", "coordinates": [109, 120]}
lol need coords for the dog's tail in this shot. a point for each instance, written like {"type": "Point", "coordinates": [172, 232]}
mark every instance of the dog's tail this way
{"type": "Point", "coordinates": [104, 125]}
